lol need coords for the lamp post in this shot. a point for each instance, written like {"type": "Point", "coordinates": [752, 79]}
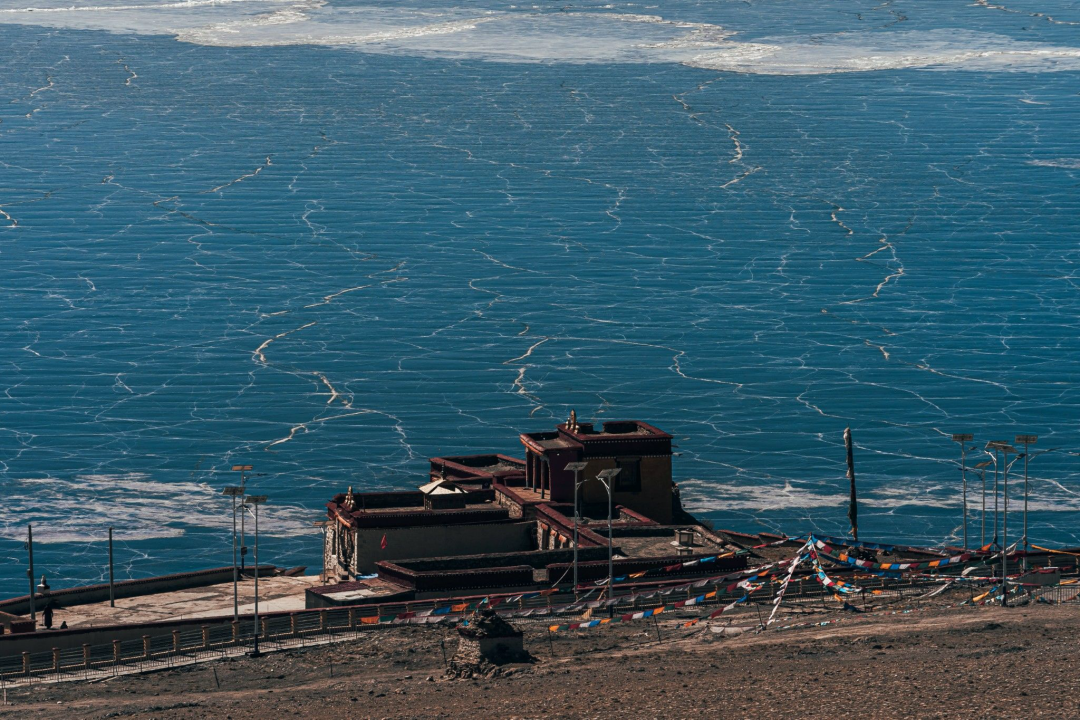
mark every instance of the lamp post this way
{"type": "Point", "coordinates": [981, 467]}
{"type": "Point", "coordinates": [1026, 441]}
{"type": "Point", "coordinates": [256, 500]}
{"type": "Point", "coordinates": [242, 469]}
{"type": "Point", "coordinates": [234, 491]}
{"type": "Point", "coordinates": [994, 447]}
{"type": "Point", "coordinates": [30, 572]}
{"type": "Point", "coordinates": [112, 589]}
{"type": "Point", "coordinates": [607, 478]}
{"type": "Point", "coordinates": [576, 467]}
{"type": "Point", "coordinates": [964, 439]}
{"type": "Point", "coordinates": [1006, 450]}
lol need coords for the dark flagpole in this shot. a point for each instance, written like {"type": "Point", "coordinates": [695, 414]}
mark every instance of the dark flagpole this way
{"type": "Point", "coordinates": [853, 506]}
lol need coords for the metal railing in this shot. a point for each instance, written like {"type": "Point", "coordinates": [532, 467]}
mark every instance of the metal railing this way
{"type": "Point", "coordinates": [321, 626]}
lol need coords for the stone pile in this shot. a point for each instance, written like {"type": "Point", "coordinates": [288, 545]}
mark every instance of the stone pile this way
{"type": "Point", "coordinates": [486, 641]}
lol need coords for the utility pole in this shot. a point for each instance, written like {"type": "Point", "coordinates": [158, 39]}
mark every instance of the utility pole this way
{"type": "Point", "coordinates": [1006, 450]}
{"type": "Point", "coordinates": [995, 446]}
{"type": "Point", "coordinates": [112, 592]}
{"type": "Point", "coordinates": [256, 500]}
{"type": "Point", "coordinates": [242, 469]}
{"type": "Point", "coordinates": [964, 439]}
{"type": "Point", "coordinates": [30, 572]}
{"type": "Point", "coordinates": [576, 467]}
{"type": "Point", "coordinates": [1026, 441]}
{"type": "Point", "coordinates": [607, 477]}
{"type": "Point", "coordinates": [981, 467]}
{"type": "Point", "coordinates": [233, 492]}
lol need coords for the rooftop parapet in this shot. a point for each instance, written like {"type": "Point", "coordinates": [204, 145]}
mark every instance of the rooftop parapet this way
{"type": "Point", "coordinates": [478, 469]}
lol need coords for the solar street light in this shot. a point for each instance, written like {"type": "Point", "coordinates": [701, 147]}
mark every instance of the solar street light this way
{"type": "Point", "coordinates": [242, 469]}
{"type": "Point", "coordinates": [576, 467]}
{"type": "Point", "coordinates": [1026, 441]}
{"type": "Point", "coordinates": [981, 467]}
{"type": "Point", "coordinates": [256, 500]}
{"type": "Point", "coordinates": [607, 477]}
{"type": "Point", "coordinates": [234, 492]}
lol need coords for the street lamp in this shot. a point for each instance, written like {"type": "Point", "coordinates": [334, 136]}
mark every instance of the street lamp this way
{"type": "Point", "coordinates": [1026, 441]}
{"type": "Point", "coordinates": [964, 439]}
{"type": "Point", "coordinates": [981, 467]}
{"type": "Point", "coordinates": [993, 447]}
{"type": "Point", "coordinates": [242, 469]}
{"type": "Point", "coordinates": [1006, 450]}
{"type": "Point", "coordinates": [30, 571]}
{"type": "Point", "coordinates": [576, 468]}
{"type": "Point", "coordinates": [234, 492]}
{"type": "Point", "coordinates": [256, 500]}
{"type": "Point", "coordinates": [607, 478]}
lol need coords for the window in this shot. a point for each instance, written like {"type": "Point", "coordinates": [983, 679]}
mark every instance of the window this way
{"type": "Point", "coordinates": [629, 477]}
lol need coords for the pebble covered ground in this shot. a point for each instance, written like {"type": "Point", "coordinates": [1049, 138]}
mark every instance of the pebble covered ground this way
{"type": "Point", "coordinates": [957, 662]}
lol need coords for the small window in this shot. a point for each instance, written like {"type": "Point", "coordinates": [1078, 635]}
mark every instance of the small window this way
{"type": "Point", "coordinates": [629, 477]}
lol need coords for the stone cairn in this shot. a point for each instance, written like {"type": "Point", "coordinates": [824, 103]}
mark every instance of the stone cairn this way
{"type": "Point", "coordinates": [486, 642]}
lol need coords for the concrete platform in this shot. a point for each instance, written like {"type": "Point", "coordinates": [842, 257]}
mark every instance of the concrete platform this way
{"type": "Point", "coordinates": [275, 594]}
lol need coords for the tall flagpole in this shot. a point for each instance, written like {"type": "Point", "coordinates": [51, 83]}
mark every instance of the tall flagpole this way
{"type": "Point", "coordinates": [30, 571]}
{"type": "Point", "coordinates": [853, 506]}
{"type": "Point", "coordinates": [964, 439]}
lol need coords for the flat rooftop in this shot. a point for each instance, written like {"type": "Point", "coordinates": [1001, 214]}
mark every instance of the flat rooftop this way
{"type": "Point", "coordinates": [360, 591]}
{"type": "Point", "coordinates": [549, 440]}
{"type": "Point", "coordinates": [488, 464]}
{"type": "Point", "coordinates": [361, 512]}
{"type": "Point", "coordinates": [661, 542]}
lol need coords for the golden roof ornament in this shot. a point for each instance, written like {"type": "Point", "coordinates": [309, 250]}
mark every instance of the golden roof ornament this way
{"type": "Point", "coordinates": [350, 500]}
{"type": "Point", "coordinates": [571, 424]}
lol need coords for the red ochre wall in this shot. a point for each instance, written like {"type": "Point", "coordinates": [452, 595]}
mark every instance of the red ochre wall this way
{"type": "Point", "coordinates": [439, 541]}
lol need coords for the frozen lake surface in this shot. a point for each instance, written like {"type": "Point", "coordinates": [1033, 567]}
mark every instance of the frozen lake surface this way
{"type": "Point", "coordinates": [331, 239]}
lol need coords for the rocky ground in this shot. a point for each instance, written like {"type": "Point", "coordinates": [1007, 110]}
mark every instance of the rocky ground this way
{"type": "Point", "coordinates": [959, 662]}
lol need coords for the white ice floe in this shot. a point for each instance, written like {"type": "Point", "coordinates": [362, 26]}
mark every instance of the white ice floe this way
{"type": "Point", "coordinates": [82, 508]}
{"type": "Point", "coordinates": [1066, 163]}
{"type": "Point", "coordinates": [941, 49]}
{"type": "Point", "coordinates": [704, 496]}
{"type": "Point", "coordinates": [542, 36]}
{"type": "Point", "coordinates": [725, 496]}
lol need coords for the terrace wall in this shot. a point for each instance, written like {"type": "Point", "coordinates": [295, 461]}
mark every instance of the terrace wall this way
{"type": "Point", "coordinates": [537, 559]}
{"type": "Point", "coordinates": [588, 571]}
{"type": "Point", "coordinates": [438, 581]}
{"type": "Point", "coordinates": [69, 597]}
{"type": "Point", "coordinates": [403, 543]}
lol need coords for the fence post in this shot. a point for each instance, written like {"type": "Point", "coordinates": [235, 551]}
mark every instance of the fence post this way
{"type": "Point", "coordinates": [56, 660]}
{"type": "Point", "coordinates": [205, 637]}
{"type": "Point", "coordinates": [292, 624]}
{"type": "Point", "coordinates": [322, 621]}
{"type": "Point", "coordinates": [116, 651]}
{"type": "Point", "coordinates": [236, 632]}
{"type": "Point", "coordinates": [176, 641]}
{"type": "Point", "coordinates": [26, 664]}
{"type": "Point", "coordinates": [265, 626]}
{"type": "Point", "coordinates": [352, 618]}
{"type": "Point", "coordinates": [146, 646]}
{"type": "Point", "coordinates": [86, 655]}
